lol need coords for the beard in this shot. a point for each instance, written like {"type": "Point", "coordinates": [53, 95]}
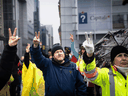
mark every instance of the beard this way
{"type": "Point", "coordinates": [60, 60]}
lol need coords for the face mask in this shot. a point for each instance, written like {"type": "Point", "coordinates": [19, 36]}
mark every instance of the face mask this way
{"type": "Point", "coordinates": [123, 69]}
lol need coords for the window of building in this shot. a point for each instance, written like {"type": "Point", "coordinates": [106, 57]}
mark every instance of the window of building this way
{"type": "Point", "coordinates": [117, 3]}
{"type": "Point", "coordinates": [118, 21]}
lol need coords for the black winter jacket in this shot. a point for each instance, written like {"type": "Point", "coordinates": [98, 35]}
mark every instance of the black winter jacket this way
{"type": "Point", "coordinates": [6, 64]}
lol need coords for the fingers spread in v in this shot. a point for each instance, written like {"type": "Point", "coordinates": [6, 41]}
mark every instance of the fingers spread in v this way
{"type": "Point", "coordinates": [10, 33]}
{"type": "Point", "coordinates": [38, 34]}
{"type": "Point", "coordinates": [86, 36]}
{"type": "Point", "coordinates": [91, 38]}
{"type": "Point", "coordinates": [14, 34]}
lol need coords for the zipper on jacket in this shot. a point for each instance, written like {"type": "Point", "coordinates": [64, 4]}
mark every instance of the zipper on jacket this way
{"type": "Point", "coordinates": [61, 75]}
{"type": "Point", "coordinates": [61, 69]}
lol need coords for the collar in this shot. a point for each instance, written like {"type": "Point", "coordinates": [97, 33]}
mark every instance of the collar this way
{"type": "Point", "coordinates": [115, 68]}
{"type": "Point", "coordinates": [65, 64]}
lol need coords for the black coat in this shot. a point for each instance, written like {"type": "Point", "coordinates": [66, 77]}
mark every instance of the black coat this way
{"type": "Point", "coordinates": [26, 59]}
{"type": "Point", "coordinates": [15, 66]}
{"type": "Point", "coordinates": [6, 64]}
{"type": "Point", "coordinates": [15, 71]}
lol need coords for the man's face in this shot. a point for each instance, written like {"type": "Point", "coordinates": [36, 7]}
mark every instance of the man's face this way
{"type": "Point", "coordinates": [121, 60]}
{"type": "Point", "coordinates": [83, 50]}
{"type": "Point", "coordinates": [49, 52]}
{"type": "Point", "coordinates": [59, 55]}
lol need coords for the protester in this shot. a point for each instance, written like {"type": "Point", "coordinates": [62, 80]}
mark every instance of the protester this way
{"type": "Point", "coordinates": [50, 53]}
{"type": "Point", "coordinates": [19, 77]}
{"type": "Point", "coordinates": [112, 81]}
{"type": "Point", "coordinates": [79, 55]}
{"type": "Point", "coordinates": [68, 52]}
{"type": "Point", "coordinates": [60, 75]}
{"type": "Point", "coordinates": [8, 58]}
{"type": "Point", "coordinates": [6, 89]}
{"type": "Point", "coordinates": [81, 67]}
{"type": "Point", "coordinates": [22, 59]}
{"type": "Point", "coordinates": [32, 77]}
{"type": "Point", "coordinates": [16, 82]}
{"type": "Point", "coordinates": [42, 50]}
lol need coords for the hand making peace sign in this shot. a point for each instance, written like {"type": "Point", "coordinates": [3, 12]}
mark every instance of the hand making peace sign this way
{"type": "Point", "coordinates": [36, 39]}
{"type": "Point", "coordinates": [71, 37]}
{"type": "Point", "coordinates": [88, 44]}
{"type": "Point", "coordinates": [13, 39]}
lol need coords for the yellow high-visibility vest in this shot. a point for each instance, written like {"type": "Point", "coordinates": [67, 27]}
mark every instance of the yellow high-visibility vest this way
{"type": "Point", "coordinates": [102, 79]}
{"type": "Point", "coordinates": [81, 65]}
{"type": "Point", "coordinates": [33, 82]}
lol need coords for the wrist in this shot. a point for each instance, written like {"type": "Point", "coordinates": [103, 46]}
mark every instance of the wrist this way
{"type": "Point", "coordinates": [89, 55]}
{"type": "Point", "coordinates": [72, 40]}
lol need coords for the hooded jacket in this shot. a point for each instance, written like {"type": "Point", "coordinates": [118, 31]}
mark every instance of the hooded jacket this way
{"type": "Point", "coordinates": [60, 79]}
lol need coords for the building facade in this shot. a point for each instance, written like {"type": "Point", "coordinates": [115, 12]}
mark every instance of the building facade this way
{"type": "Point", "coordinates": [20, 14]}
{"type": "Point", "coordinates": [36, 16]}
{"type": "Point", "coordinates": [46, 37]}
{"type": "Point", "coordinates": [1, 27]}
{"type": "Point", "coordinates": [96, 16]}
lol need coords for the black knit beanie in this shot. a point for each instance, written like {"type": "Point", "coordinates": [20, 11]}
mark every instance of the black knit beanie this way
{"type": "Point", "coordinates": [55, 47]}
{"type": "Point", "coordinates": [116, 50]}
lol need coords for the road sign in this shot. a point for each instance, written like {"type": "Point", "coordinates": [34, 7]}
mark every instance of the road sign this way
{"type": "Point", "coordinates": [82, 18]}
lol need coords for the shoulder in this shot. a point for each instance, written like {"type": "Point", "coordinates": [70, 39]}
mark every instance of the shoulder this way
{"type": "Point", "coordinates": [102, 70]}
{"type": "Point", "coordinates": [73, 65]}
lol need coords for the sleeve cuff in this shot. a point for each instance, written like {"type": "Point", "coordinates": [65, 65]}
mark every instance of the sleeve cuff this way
{"type": "Point", "coordinates": [87, 59]}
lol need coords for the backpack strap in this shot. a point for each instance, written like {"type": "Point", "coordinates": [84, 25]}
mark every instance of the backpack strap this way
{"type": "Point", "coordinates": [112, 83]}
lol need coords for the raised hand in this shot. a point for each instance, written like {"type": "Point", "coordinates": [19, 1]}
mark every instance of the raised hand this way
{"type": "Point", "coordinates": [13, 39]}
{"type": "Point", "coordinates": [71, 37]}
{"type": "Point", "coordinates": [88, 44]}
{"type": "Point", "coordinates": [36, 39]}
{"type": "Point", "coordinates": [28, 48]}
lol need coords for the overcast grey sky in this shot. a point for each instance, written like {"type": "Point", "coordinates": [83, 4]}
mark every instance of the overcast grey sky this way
{"type": "Point", "coordinates": [49, 15]}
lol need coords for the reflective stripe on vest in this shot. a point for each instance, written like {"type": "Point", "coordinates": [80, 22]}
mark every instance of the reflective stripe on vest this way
{"type": "Point", "coordinates": [112, 83]}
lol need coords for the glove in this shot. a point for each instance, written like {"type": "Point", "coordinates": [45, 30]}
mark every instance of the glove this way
{"type": "Point", "coordinates": [88, 44]}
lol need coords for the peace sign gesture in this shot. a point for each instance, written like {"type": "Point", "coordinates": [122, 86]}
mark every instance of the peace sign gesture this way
{"type": "Point", "coordinates": [88, 43]}
{"type": "Point", "coordinates": [71, 37]}
{"type": "Point", "coordinates": [36, 39]}
{"type": "Point", "coordinates": [13, 39]}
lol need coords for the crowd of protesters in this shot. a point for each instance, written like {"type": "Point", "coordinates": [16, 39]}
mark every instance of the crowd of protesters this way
{"type": "Point", "coordinates": [61, 71]}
